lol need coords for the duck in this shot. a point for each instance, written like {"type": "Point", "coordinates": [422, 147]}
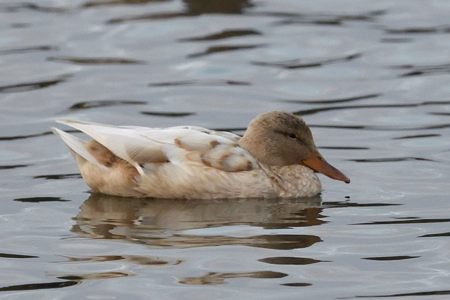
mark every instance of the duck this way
{"type": "Point", "coordinates": [275, 158]}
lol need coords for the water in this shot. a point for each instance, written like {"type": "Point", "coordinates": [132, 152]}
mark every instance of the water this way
{"type": "Point", "coordinates": [370, 77]}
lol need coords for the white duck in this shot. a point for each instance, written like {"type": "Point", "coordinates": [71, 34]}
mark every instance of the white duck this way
{"type": "Point", "coordinates": [276, 157]}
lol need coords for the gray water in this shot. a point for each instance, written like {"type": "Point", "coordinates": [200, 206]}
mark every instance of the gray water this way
{"type": "Point", "coordinates": [370, 77]}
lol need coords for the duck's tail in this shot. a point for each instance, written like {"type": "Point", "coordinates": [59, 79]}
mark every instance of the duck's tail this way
{"type": "Point", "coordinates": [123, 142]}
{"type": "Point", "coordinates": [77, 147]}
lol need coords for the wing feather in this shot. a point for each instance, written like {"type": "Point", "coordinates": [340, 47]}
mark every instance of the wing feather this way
{"type": "Point", "coordinates": [77, 146]}
{"type": "Point", "coordinates": [143, 146]}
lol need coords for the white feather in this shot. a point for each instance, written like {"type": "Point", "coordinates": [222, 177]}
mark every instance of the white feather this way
{"type": "Point", "coordinates": [138, 145]}
{"type": "Point", "coordinates": [77, 146]}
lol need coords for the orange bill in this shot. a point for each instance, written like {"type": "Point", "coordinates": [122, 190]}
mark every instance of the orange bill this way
{"type": "Point", "coordinates": [319, 164]}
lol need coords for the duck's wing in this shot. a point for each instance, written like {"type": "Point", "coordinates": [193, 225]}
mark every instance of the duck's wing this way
{"type": "Point", "coordinates": [225, 134]}
{"type": "Point", "coordinates": [141, 146]}
{"type": "Point", "coordinates": [127, 143]}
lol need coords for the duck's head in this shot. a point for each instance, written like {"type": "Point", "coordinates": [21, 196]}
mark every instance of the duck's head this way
{"type": "Point", "coordinates": [281, 139]}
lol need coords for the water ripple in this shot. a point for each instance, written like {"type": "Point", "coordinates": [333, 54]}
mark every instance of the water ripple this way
{"type": "Point", "coordinates": [389, 159]}
{"type": "Point", "coordinates": [98, 275]}
{"type": "Point", "coordinates": [436, 234]}
{"type": "Point", "coordinates": [38, 286]}
{"type": "Point", "coordinates": [390, 258]}
{"type": "Point", "coordinates": [141, 260]}
{"type": "Point", "coordinates": [20, 6]}
{"type": "Point", "coordinates": [366, 106]}
{"type": "Point", "coordinates": [40, 199]}
{"type": "Point", "coordinates": [304, 63]}
{"type": "Point", "coordinates": [28, 49]}
{"type": "Point", "coordinates": [9, 255]}
{"type": "Point", "coordinates": [418, 70]}
{"type": "Point", "coordinates": [427, 293]}
{"type": "Point", "coordinates": [408, 221]}
{"type": "Point", "coordinates": [96, 60]}
{"type": "Point", "coordinates": [203, 82]}
{"type": "Point", "coordinates": [417, 136]}
{"type": "Point", "coordinates": [297, 284]}
{"type": "Point", "coordinates": [35, 85]}
{"type": "Point", "coordinates": [58, 176]}
{"type": "Point", "coordinates": [337, 100]}
{"type": "Point", "coordinates": [104, 103]}
{"type": "Point", "coordinates": [419, 30]}
{"type": "Point", "coordinates": [8, 167]}
{"type": "Point", "coordinates": [148, 17]}
{"type": "Point", "coordinates": [285, 260]}
{"type": "Point", "coordinates": [223, 48]}
{"type": "Point", "coordinates": [332, 204]}
{"type": "Point", "coordinates": [290, 18]}
{"type": "Point", "coordinates": [343, 148]}
{"type": "Point", "coordinates": [167, 114]}
{"type": "Point", "coordinates": [219, 278]}
{"type": "Point", "coordinates": [21, 137]}
{"type": "Point", "coordinates": [224, 34]}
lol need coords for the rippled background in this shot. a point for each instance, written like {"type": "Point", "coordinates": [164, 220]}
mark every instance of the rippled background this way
{"type": "Point", "coordinates": [370, 77]}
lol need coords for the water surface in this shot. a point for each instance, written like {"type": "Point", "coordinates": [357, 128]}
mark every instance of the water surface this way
{"type": "Point", "coordinates": [370, 77]}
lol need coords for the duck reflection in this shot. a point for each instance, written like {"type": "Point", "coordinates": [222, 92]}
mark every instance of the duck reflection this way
{"type": "Point", "coordinates": [166, 222]}
{"type": "Point", "coordinates": [193, 7]}
{"type": "Point", "coordinates": [198, 7]}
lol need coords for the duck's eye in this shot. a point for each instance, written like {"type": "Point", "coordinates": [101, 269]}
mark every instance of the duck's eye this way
{"type": "Point", "coordinates": [292, 136]}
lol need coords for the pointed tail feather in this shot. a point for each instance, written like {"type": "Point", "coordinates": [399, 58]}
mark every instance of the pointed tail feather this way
{"type": "Point", "coordinates": [109, 136]}
{"type": "Point", "coordinates": [77, 146]}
